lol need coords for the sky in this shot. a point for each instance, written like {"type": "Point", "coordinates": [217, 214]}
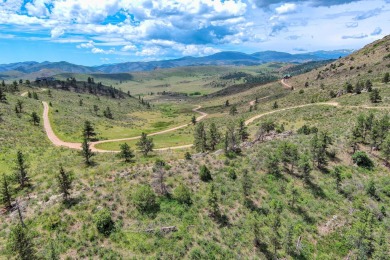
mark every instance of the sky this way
{"type": "Point", "coordinates": [94, 32]}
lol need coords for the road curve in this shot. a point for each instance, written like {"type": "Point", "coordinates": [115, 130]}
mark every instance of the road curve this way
{"type": "Point", "coordinates": [285, 84]}
{"type": "Point", "coordinates": [58, 142]}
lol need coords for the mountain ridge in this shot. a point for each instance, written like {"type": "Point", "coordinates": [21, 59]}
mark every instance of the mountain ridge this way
{"type": "Point", "coordinates": [226, 58]}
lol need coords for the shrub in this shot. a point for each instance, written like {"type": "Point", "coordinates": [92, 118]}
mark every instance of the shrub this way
{"type": "Point", "coordinates": [205, 174]}
{"type": "Point", "coordinates": [362, 160]}
{"type": "Point", "coordinates": [144, 198]}
{"type": "Point", "coordinates": [182, 194]}
{"type": "Point", "coordinates": [232, 174]}
{"type": "Point", "coordinates": [103, 222]}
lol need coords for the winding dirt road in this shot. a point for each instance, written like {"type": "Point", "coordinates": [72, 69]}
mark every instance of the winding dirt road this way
{"type": "Point", "coordinates": [58, 142]}
{"type": "Point", "coordinates": [285, 84]}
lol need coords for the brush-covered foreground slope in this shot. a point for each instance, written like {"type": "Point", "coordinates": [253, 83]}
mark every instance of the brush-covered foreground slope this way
{"type": "Point", "coordinates": [272, 201]}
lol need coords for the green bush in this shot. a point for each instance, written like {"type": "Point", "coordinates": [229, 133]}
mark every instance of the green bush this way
{"type": "Point", "coordinates": [104, 222]}
{"type": "Point", "coordinates": [144, 198]}
{"type": "Point", "coordinates": [182, 194]}
{"type": "Point", "coordinates": [205, 174]}
{"type": "Point", "coordinates": [362, 160]}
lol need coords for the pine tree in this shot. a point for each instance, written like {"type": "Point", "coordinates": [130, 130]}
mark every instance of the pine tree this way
{"type": "Point", "coordinates": [213, 201]}
{"type": "Point", "coordinates": [96, 109]}
{"type": "Point", "coordinates": [337, 177]}
{"type": "Point", "coordinates": [305, 167]}
{"type": "Point", "coordinates": [246, 183]}
{"type": "Point", "coordinates": [386, 77]}
{"type": "Point", "coordinates": [107, 113]}
{"type": "Point", "coordinates": [375, 96]}
{"type": "Point", "coordinates": [200, 139]}
{"type": "Point", "coordinates": [19, 105]}
{"type": "Point", "coordinates": [3, 97]}
{"type": "Point", "coordinates": [20, 243]}
{"type": "Point", "coordinates": [5, 192]}
{"type": "Point", "coordinates": [88, 131]}
{"type": "Point", "coordinates": [368, 85]}
{"type": "Point", "coordinates": [233, 110]}
{"type": "Point", "coordinates": [193, 120]}
{"type": "Point", "coordinates": [275, 105]}
{"type": "Point", "coordinates": [86, 152]}
{"type": "Point", "coordinates": [214, 136]}
{"type": "Point", "coordinates": [227, 103]}
{"type": "Point", "coordinates": [145, 144]}
{"type": "Point", "coordinates": [35, 118]}
{"type": "Point", "coordinates": [243, 131]}
{"type": "Point", "coordinates": [21, 173]}
{"type": "Point", "coordinates": [205, 174]}
{"type": "Point", "coordinates": [126, 153]}
{"type": "Point", "coordinates": [64, 183]}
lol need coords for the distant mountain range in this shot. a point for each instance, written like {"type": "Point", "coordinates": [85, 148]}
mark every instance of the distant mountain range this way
{"type": "Point", "coordinates": [221, 58]}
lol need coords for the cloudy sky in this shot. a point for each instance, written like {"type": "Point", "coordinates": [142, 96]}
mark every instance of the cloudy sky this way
{"type": "Point", "coordinates": [92, 32]}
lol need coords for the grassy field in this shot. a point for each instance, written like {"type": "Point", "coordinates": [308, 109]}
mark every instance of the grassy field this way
{"type": "Point", "coordinates": [255, 212]}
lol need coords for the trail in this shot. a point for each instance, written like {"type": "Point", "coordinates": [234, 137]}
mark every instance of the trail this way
{"type": "Point", "coordinates": [253, 102]}
{"type": "Point", "coordinates": [285, 84]}
{"type": "Point", "coordinates": [24, 94]}
{"type": "Point", "coordinates": [58, 142]}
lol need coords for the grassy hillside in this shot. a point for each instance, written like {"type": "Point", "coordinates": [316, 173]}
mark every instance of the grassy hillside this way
{"type": "Point", "coordinates": [296, 189]}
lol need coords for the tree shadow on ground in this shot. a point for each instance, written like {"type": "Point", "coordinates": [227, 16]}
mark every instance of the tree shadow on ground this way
{"type": "Point", "coordinates": [316, 190]}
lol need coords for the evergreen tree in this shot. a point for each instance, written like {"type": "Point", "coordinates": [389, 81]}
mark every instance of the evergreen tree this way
{"type": "Point", "coordinates": [337, 177]}
{"type": "Point", "coordinates": [96, 109]}
{"type": "Point", "coordinates": [368, 85]}
{"type": "Point", "coordinates": [65, 180]}
{"type": "Point", "coordinates": [193, 120]}
{"type": "Point", "coordinates": [385, 148]}
{"type": "Point", "coordinates": [246, 184]}
{"type": "Point", "coordinates": [214, 136]}
{"type": "Point", "coordinates": [275, 105]}
{"type": "Point", "coordinates": [305, 167]}
{"type": "Point", "coordinates": [213, 202]}
{"type": "Point", "coordinates": [3, 97]}
{"type": "Point", "coordinates": [272, 164]}
{"type": "Point", "coordinates": [35, 95]}
{"type": "Point", "coordinates": [227, 103]}
{"type": "Point", "coordinates": [21, 173]}
{"type": "Point", "coordinates": [107, 113]}
{"type": "Point", "coordinates": [88, 131]}
{"type": "Point", "coordinates": [386, 77]}
{"type": "Point", "coordinates": [87, 152]}
{"type": "Point", "coordinates": [5, 192]}
{"type": "Point", "coordinates": [200, 139]}
{"type": "Point", "coordinates": [145, 144]}
{"type": "Point", "coordinates": [126, 153]}
{"type": "Point", "coordinates": [20, 243]}
{"type": "Point", "coordinates": [205, 174]}
{"type": "Point", "coordinates": [182, 194]}
{"type": "Point", "coordinates": [3, 83]}
{"type": "Point", "coordinates": [233, 110]}
{"type": "Point", "coordinates": [375, 96]}
{"type": "Point", "coordinates": [35, 118]}
{"type": "Point", "coordinates": [19, 105]}
{"type": "Point", "coordinates": [243, 131]}
{"type": "Point", "coordinates": [288, 153]}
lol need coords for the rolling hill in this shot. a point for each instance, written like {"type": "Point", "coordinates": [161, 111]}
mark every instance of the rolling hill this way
{"type": "Point", "coordinates": [221, 59]}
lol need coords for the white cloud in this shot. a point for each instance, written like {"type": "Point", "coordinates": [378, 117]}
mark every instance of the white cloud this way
{"type": "Point", "coordinates": [152, 51]}
{"type": "Point", "coordinates": [57, 32]}
{"type": "Point", "coordinates": [286, 8]}
{"type": "Point", "coordinates": [38, 8]}
{"type": "Point", "coordinates": [129, 47]}
{"type": "Point", "coordinates": [101, 51]}
{"type": "Point", "coordinates": [86, 45]}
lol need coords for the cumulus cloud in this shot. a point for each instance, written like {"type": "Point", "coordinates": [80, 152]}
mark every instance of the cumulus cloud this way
{"type": "Point", "coordinates": [101, 51]}
{"type": "Point", "coordinates": [129, 47]}
{"type": "Point", "coordinates": [57, 32]}
{"type": "Point", "coordinates": [86, 45]}
{"type": "Point", "coordinates": [38, 8]}
{"type": "Point", "coordinates": [286, 8]}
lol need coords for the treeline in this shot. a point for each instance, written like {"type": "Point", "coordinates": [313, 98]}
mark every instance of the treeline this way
{"type": "Point", "coordinates": [71, 84]}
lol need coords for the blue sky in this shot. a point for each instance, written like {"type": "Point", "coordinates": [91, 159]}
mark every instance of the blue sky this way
{"type": "Point", "coordinates": [93, 32]}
